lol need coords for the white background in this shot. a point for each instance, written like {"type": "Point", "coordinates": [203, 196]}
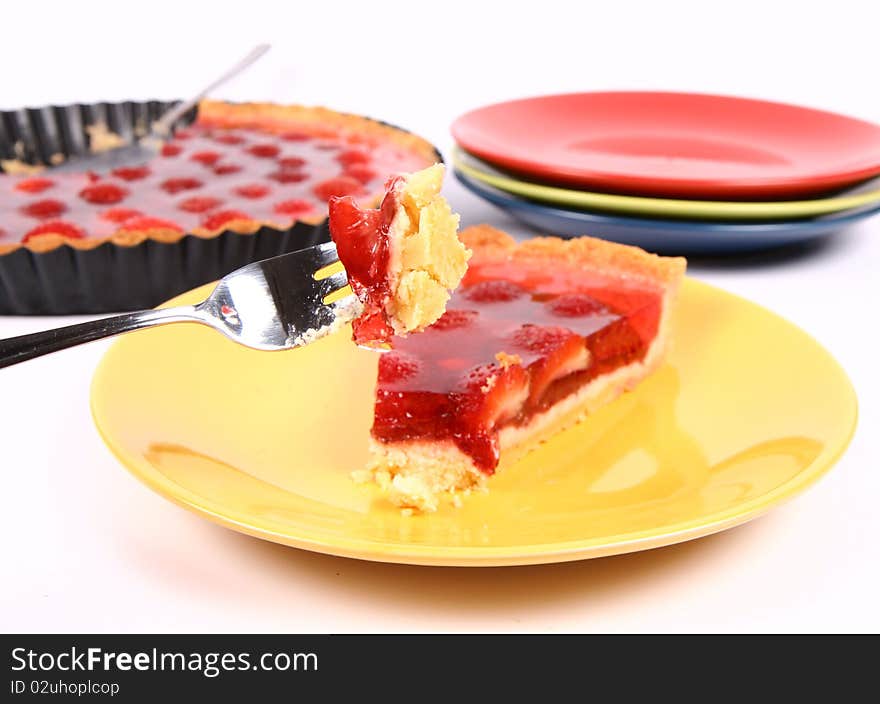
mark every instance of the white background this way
{"type": "Point", "coordinates": [85, 547]}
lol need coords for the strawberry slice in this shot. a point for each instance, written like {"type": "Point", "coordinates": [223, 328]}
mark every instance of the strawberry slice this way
{"type": "Point", "coordinates": [455, 320]}
{"type": "Point", "coordinates": [224, 169]}
{"type": "Point", "coordinates": [103, 193]}
{"type": "Point", "coordinates": [223, 218]}
{"type": "Point", "coordinates": [288, 176]}
{"type": "Point", "coordinates": [576, 305]}
{"type": "Point", "coordinates": [131, 173]}
{"type": "Point", "coordinates": [294, 206]}
{"type": "Point", "coordinates": [264, 151]}
{"type": "Point", "coordinates": [252, 190]}
{"type": "Point", "coordinates": [359, 172]}
{"type": "Point", "coordinates": [208, 158]}
{"type": "Point", "coordinates": [489, 394]}
{"type": "Point", "coordinates": [55, 227]}
{"type": "Point", "coordinates": [175, 185]}
{"type": "Point", "coordinates": [229, 138]}
{"type": "Point", "coordinates": [35, 184]}
{"type": "Point", "coordinates": [493, 292]}
{"type": "Point", "coordinates": [560, 353]}
{"type": "Point", "coordinates": [338, 187]}
{"type": "Point", "coordinates": [615, 345]}
{"type": "Point", "coordinates": [353, 156]}
{"type": "Point", "coordinates": [120, 215]}
{"type": "Point", "coordinates": [397, 366]}
{"type": "Point", "coordinates": [45, 208]}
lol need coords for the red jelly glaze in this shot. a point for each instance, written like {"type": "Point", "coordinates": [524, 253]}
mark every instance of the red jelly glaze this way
{"type": "Point", "coordinates": [361, 238]}
{"type": "Point", "coordinates": [446, 383]}
{"type": "Point", "coordinates": [273, 176]}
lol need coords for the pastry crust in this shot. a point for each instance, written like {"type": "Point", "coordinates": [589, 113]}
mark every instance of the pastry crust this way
{"type": "Point", "coordinates": [426, 258]}
{"type": "Point", "coordinates": [316, 121]}
{"type": "Point", "coordinates": [588, 253]}
{"type": "Point", "coordinates": [422, 474]}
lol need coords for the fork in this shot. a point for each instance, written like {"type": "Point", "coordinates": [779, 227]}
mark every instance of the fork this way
{"type": "Point", "coordinates": [274, 304]}
{"type": "Point", "coordinates": [143, 149]}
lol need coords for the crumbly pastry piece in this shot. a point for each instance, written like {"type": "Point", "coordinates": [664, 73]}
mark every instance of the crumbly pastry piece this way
{"type": "Point", "coordinates": [403, 258]}
{"type": "Point", "coordinates": [237, 168]}
{"type": "Point", "coordinates": [538, 336]}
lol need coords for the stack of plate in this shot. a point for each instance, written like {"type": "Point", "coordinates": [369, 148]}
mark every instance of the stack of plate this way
{"type": "Point", "coordinates": [672, 172]}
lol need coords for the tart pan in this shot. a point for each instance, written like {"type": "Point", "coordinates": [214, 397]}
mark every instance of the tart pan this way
{"type": "Point", "coordinates": [113, 277]}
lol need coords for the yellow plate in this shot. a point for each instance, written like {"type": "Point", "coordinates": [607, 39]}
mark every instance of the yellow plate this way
{"type": "Point", "coordinates": [747, 412]}
{"type": "Point", "coordinates": [865, 195]}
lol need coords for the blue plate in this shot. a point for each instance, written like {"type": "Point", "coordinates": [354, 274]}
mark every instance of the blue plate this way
{"type": "Point", "coordinates": [667, 236]}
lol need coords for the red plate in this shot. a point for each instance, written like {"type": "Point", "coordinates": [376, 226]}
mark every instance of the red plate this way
{"type": "Point", "coordinates": [674, 144]}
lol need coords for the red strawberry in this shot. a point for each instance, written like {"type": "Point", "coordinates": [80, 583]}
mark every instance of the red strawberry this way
{"type": "Point", "coordinates": [55, 227]}
{"type": "Point", "coordinates": [120, 214]}
{"type": "Point", "coordinates": [224, 169]}
{"type": "Point", "coordinates": [229, 138]}
{"type": "Point", "coordinates": [493, 292]}
{"type": "Point", "coordinates": [560, 352]}
{"type": "Point", "coordinates": [145, 223]}
{"type": "Point", "coordinates": [372, 325]}
{"type": "Point", "coordinates": [252, 190]}
{"type": "Point", "coordinates": [35, 184]}
{"type": "Point", "coordinates": [488, 395]}
{"type": "Point", "coordinates": [399, 416]}
{"type": "Point", "coordinates": [199, 204]}
{"type": "Point", "coordinates": [291, 162]}
{"type": "Point", "coordinates": [171, 149]}
{"type": "Point", "coordinates": [131, 173]}
{"type": "Point", "coordinates": [46, 208]}
{"type": "Point", "coordinates": [103, 193]}
{"type": "Point", "coordinates": [397, 366]}
{"type": "Point", "coordinates": [293, 207]}
{"type": "Point", "coordinates": [288, 176]}
{"type": "Point", "coordinates": [455, 320]}
{"type": "Point", "coordinates": [353, 156]}
{"type": "Point", "coordinates": [264, 151]}
{"type": "Point", "coordinates": [576, 305]}
{"type": "Point", "coordinates": [360, 172]}
{"type": "Point", "coordinates": [615, 344]}
{"type": "Point", "coordinates": [208, 158]}
{"type": "Point", "coordinates": [218, 220]}
{"type": "Point", "coordinates": [175, 185]}
{"type": "Point", "coordinates": [295, 136]}
{"type": "Point", "coordinates": [339, 186]}
{"type": "Point", "coordinates": [540, 339]}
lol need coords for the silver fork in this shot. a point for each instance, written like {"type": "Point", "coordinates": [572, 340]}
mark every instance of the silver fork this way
{"type": "Point", "coordinates": [275, 304]}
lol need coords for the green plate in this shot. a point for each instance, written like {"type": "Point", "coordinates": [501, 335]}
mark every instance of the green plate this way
{"type": "Point", "coordinates": [864, 195]}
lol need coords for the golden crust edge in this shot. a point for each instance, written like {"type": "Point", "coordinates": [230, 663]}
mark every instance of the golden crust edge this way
{"type": "Point", "coordinates": [588, 253]}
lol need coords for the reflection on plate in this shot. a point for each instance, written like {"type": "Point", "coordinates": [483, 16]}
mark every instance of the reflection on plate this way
{"type": "Point", "coordinates": [666, 236]}
{"type": "Point", "coordinates": [747, 412]}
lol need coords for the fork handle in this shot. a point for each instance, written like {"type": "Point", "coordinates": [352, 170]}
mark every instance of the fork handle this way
{"type": "Point", "coordinates": [162, 126]}
{"type": "Point", "coordinates": [24, 347]}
